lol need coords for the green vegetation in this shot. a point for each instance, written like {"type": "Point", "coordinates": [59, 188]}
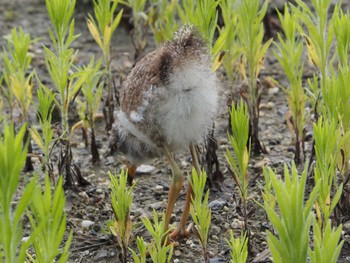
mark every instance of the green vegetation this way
{"type": "Point", "coordinates": [293, 224]}
{"type": "Point", "coordinates": [159, 249]}
{"type": "Point", "coordinates": [229, 36]}
{"type": "Point", "coordinates": [139, 19]}
{"type": "Point", "coordinates": [121, 197]}
{"type": "Point", "coordinates": [239, 248]}
{"type": "Point", "coordinates": [17, 60]}
{"type": "Point", "coordinates": [48, 222]}
{"type": "Point", "coordinates": [44, 108]}
{"type": "Point", "coordinates": [102, 28]}
{"type": "Point", "coordinates": [18, 84]}
{"type": "Point", "coordinates": [325, 168]}
{"type": "Point", "coordinates": [162, 19]}
{"type": "Point", "coordinates": [239, 161]}
{"type": "Point", "coordinates": [200, 211]}
{"type": "Point", "coordinates": [45, 211]}
{"type": "Point", "coordinates": [92, 90]}
{"type": "Point", "coordinates": [59, 63]}
{"type": "Point", "coordinates": [305, 213]}
{"type": "Point", "coordinates": [326, 244]}
{"type": "Point", "coordinates": [250, 37]}
{"type": "Point", "coordinates": [289, 54]}
{"type": "Point", "coordinates": [11, 227]}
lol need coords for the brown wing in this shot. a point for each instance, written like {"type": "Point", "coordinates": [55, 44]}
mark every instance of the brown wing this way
{"type": "Point", "coordinates": [151, 70]}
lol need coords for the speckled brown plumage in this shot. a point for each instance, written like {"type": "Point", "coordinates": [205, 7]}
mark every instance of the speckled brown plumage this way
{"type": "Point", "coordinates": [153, 70]}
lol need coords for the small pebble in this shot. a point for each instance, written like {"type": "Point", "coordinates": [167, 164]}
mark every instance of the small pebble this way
{"type": "Point", "coordinates": [193, 245]}
{"type": "Point", "coordinates": [138, 211]}
{"type": "Point", "coordinates": [264, 226]}
{"type": "Point", "coordinates": [346, 227]}
{"type": "Point", "coordinates": [159, 188]}
{"type": "Point", "coordinates": [176, 260]}
{"type": "Point", "coordinates": [157, 205]}
{"type": "Point", "coordinates": [216, 259]}
{"type": "Point", "coordinates": [216, 230]}
{"type": "Point", "coordinates": [273, 91]}
{"type": "Point", "coordinates": [237, 224]}
{"type": "Point", "coordinates": [110, 160]}
{"type": "Point", "coordinates": [223, 141]}
{"type": "Point", "coordinates": [215, 237]}
{"type": "Point", "coordinates": [86, 223]}
{"type": "Point", "coordinates": [262, 163]}
{"type": "Point", "coordinates": [189, 242]}
{"type": "Point", "coordinates": [267, 106]}
{"type": "Point", "coordinates": [84, 196]}
{"type": "Point", "coordinates": [184, 164]}
{"type": "Point", "coordinates": [101, 255]}
{"type": "Point", "coordinates": [145, 169]}
{"type": "Point", "coordinates": [177, 253]}
{"type": "Point", "coordinates": [25, 239]}
{"type": "Point", "coordinates": [217, 204]}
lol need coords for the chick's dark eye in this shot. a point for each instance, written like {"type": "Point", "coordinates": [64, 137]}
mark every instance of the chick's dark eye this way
{"type": "Point", "coordinates": [187, 43]}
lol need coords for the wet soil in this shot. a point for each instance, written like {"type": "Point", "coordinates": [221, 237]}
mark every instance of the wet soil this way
{"type": "Point", "coordinates": [93, 244]}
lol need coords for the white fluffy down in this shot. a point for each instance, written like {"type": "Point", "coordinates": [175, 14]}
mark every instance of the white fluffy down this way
{"type": "Point", "coordinates": [183, 111]}
{"type": "Point", "coordinates": [189, 111]}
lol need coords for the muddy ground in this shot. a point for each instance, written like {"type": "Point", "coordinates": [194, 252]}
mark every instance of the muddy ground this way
{"type": "Point", "coordinates": [92, 203]}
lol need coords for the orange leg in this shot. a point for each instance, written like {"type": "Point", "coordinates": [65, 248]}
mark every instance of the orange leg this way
{"type": "Point", "coordinates": [195, 158]}
{"type": "Point", "coordinates": [181, 228]}
{"type": "Point", "coordinates": [175, 188]}
{"type": "Point", "coordinates": [131, 172]}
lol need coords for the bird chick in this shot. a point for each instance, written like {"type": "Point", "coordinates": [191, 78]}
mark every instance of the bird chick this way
{"type": "Point", "coordinates": [167, 103]}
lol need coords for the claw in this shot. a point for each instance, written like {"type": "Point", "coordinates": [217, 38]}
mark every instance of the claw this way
{"type": "Point", "coordinates": [181, 232]}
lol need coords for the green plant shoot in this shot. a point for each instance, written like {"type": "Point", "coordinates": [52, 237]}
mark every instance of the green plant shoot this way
{"type": "Point", "coordinates": [239, 159]}
{"type": "Point", "coordinates": [229, 38]}
{"type": "Point", "coordinates": [326, 244]}
{"type": "Point", "coordinates": [319, 36]}
{"type": "Point", "coordinates": [239, 248]}
{"type": "Point", "coordinates": [251, 35]}
{"type": "Point", "coordinates": [325, 168]}
{"type": "Point", "coordinates": [162, 19]}
{"type": "Point", "coordinates": [140, 21]}
{"type": "Point", "coordinates": [121, 198]}
{"type": "Point", "coordinates": [289, 54]}
{"type": "Point", "coordinates": [44, 140]}
{"type": "Point", "coordinates": [92, 90]}
{"type": "Point", "coordinates": [292, 226]}
{"type": "Point", "coordinates": [104, 25]}
{"type": "Point", "coordinates": [59, 63]}
{"type": "Point", "coordinates": [102, 29]}
{"type": "Point", "coordinates": [17, 60]}
{"type": "Point", "coordinates": [200, 211]}
{"type": "Point", "coordinates": [12, 159]}
{"type": "Point", "coordinates": [141, 246]}
{"type": "Point", "coordinates": [341, 24]}
{"type": "Point", "coordinates": [158, 249]}
{"type": "Point", "coordinates": [48, 220]}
